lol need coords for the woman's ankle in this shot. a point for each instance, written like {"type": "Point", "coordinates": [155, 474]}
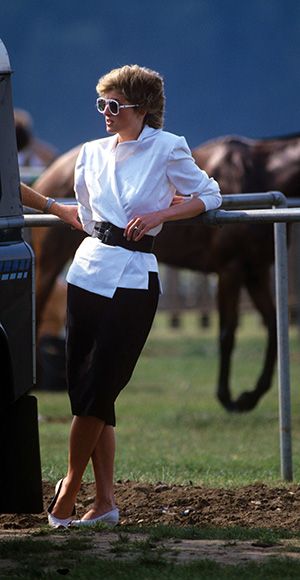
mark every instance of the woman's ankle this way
{"type": "Point", "coordinates": [103, 505]}
{"type": "Point", "coordinates": [100, 510]}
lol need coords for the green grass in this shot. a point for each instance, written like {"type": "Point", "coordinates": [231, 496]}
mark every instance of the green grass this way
{"type": "Point", "coordinates": [171, 428]}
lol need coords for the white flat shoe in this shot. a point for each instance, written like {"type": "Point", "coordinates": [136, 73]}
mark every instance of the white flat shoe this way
{"type": "Point", "coordinates": [110, 519]}
{"type": "Point", "coordinates": [57, 522]}
{"type": "Point", "coordinates": [53, 521]}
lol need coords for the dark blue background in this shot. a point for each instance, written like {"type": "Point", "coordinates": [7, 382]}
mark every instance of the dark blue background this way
{"type": "Point", "coordinates": [229, 66]}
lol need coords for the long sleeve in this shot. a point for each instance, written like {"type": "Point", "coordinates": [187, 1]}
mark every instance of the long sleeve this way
{"type": "Point", "coordinates": [189, 179]}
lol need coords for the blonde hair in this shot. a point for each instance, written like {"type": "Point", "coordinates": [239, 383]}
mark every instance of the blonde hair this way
{"type": "Point", "coordinates": [139, 85]}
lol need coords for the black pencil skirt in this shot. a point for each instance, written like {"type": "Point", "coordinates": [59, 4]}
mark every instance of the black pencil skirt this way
{"type": "Point", "coordinates": [105, 337]}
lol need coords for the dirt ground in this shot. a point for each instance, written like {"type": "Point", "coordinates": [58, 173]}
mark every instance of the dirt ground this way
{"type": "Point", "coordinates": [253, 506]}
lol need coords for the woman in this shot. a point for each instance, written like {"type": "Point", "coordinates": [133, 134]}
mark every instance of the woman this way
{"type": "Point", "coordinates": [125, 185]}
{"type": "Point", "coordinates": [33, 199]}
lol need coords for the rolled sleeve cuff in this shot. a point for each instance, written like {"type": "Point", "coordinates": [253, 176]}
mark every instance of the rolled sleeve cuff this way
{"type": "Point", "coordinates": [212, 201]}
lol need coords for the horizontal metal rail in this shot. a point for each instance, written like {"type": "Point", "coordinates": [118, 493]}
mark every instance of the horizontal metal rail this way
{"type": "Point", "coordinates": [213, 217]}
{"type": "Point", "coordinates": [279, 215]}
{"type": "Point", "coordinates": [254, 200]}
{"type": "Point", "coordinates": [293, 201]}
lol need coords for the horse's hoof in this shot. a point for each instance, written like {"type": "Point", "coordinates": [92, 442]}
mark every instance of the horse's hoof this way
{"type": "Point", "coordinates": [228, 404]}
{"type": "Point", "coordinates": [246, 402]}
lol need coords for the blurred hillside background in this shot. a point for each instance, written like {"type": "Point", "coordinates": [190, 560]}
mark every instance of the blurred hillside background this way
{"type": "Point", "coordinates": [230, 67]}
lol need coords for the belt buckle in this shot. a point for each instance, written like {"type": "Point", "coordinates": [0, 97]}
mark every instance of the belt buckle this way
{"type": "Point", "coordinates": [104, 234]}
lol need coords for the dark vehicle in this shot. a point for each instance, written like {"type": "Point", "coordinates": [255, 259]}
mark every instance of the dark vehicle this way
{"type": "Point", "coordinates": [20, 476]}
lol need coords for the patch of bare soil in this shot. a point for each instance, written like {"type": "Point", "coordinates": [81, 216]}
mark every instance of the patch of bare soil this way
{"type": "Point", "coordinates": [253, 506]}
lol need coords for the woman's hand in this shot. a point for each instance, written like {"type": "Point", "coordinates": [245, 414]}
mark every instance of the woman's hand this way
{"type": "Point", "coordinates": [138, 226]}
{"type": "Point", "coordinates": [180, 208]}
{"type": "Point", "coordinates": [67, 213]}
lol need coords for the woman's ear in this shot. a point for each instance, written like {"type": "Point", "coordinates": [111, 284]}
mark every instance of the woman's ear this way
{"type": "Point", "coordinates": [142, 111]}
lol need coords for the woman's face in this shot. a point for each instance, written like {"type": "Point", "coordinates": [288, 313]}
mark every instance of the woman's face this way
{"type": "Point", "coordinates": [128, 123]}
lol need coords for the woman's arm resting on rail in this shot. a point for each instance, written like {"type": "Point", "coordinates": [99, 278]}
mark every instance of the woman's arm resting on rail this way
{"type": "Point", "coordinates": [177, 211]}
{"type": "Point", "coordinates": [33, 199]}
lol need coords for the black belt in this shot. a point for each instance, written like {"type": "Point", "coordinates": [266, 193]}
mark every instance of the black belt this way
{"type": "Point", "coordinates": [113, 236]}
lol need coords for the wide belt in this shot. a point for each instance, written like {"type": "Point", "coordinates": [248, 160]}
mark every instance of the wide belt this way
{"type": "Point", "coordinates": [113, 236]}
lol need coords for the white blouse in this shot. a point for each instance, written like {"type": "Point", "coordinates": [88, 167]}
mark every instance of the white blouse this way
{"type": "Point", "coordinates": [116, 181]}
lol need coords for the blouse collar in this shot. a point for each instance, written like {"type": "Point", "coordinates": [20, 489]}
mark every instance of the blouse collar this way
{"type": "Point", "coordinates": [144, 134]}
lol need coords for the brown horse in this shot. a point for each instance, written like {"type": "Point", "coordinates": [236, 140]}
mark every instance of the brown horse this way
{"type": "Point", "coordinates": [241, 254]}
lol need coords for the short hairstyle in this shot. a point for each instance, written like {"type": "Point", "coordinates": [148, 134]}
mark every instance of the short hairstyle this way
{"type": "Point", "coordinates": [139, 85]}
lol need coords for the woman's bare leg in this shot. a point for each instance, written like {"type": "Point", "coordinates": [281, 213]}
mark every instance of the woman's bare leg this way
{"type": "Point", "coordinates": [84, 435]}
{"type": "Point", "coordinates": [103, 465]}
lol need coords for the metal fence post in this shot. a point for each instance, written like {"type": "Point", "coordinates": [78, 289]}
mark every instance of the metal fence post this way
{"type": "Point", "coordinates": [281, 281]}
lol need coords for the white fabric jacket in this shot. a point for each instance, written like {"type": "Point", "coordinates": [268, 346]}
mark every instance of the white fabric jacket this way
{"type": "Point", "coordinates": [116, 181]}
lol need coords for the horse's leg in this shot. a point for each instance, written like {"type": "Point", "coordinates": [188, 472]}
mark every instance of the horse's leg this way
{"type": "Point", "coordinates": [230, 282]}
{"type": "Point", "coordinates": [260, 292]}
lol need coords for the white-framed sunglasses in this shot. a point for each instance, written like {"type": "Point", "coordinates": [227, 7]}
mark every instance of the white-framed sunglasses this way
{"type": "Point", "coordinates": [113, 106]}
